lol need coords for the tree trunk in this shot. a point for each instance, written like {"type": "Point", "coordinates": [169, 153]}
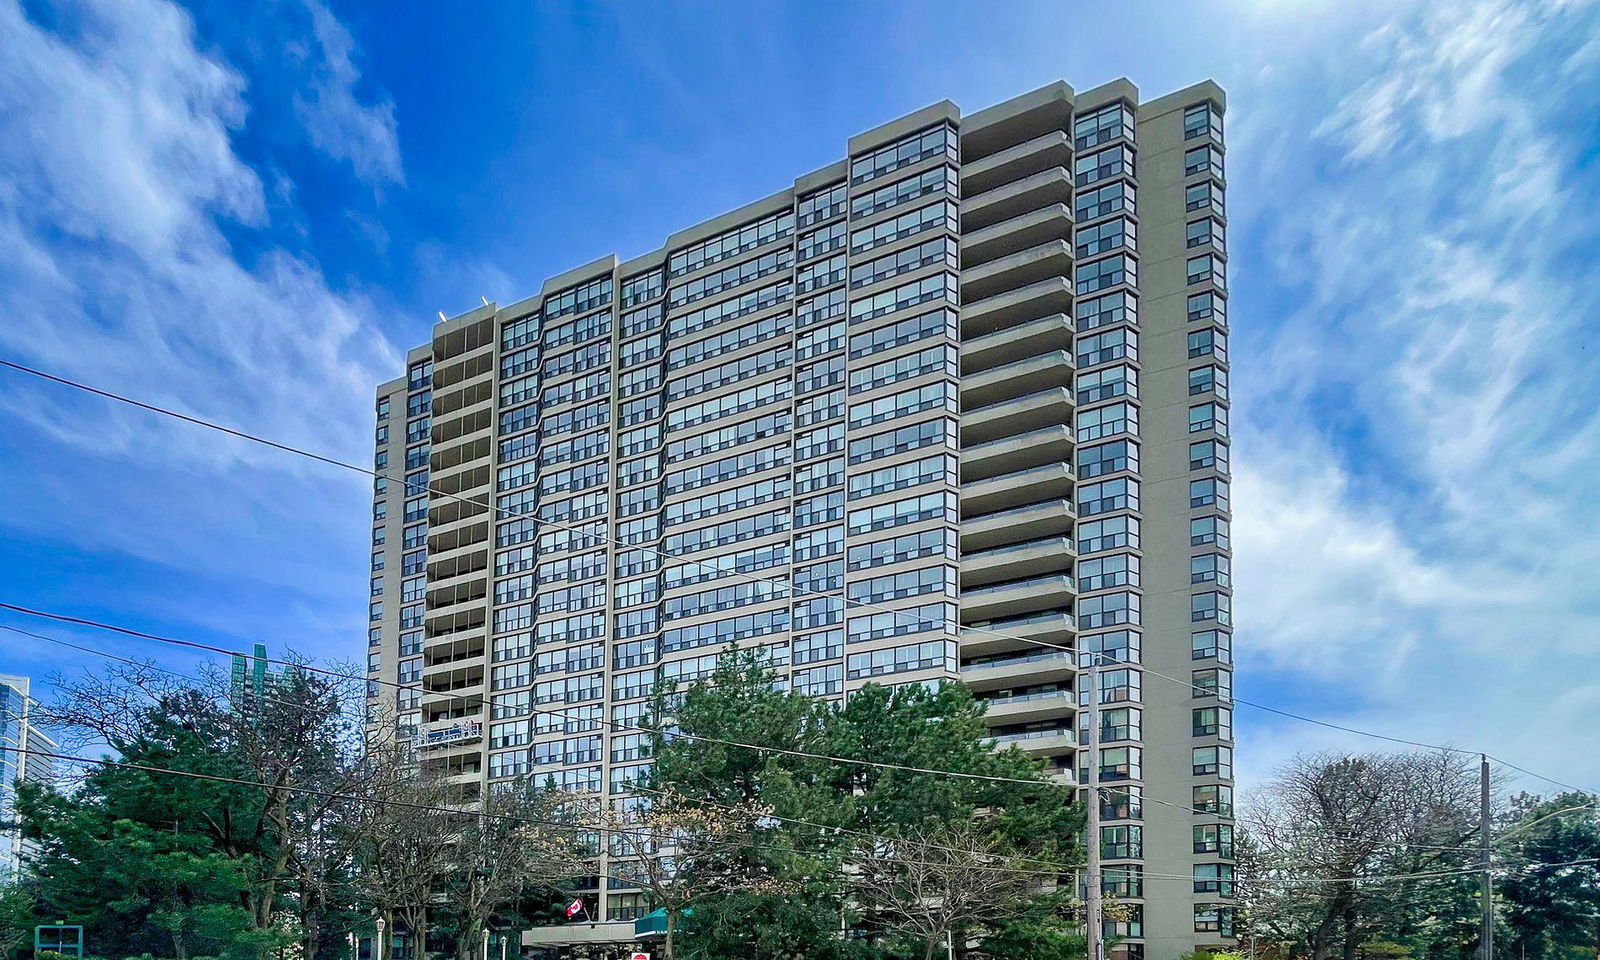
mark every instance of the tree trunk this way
{"type": "Point", "coordinates": [928, 947]}
{"type": "Point", "coordinates": [416, 919]}
{"type": "Point", "coordinates": [672, 929]}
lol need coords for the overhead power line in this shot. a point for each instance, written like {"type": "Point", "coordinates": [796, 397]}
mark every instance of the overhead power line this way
{"type": "Point", "coordinates": [605, 828]}
{"type": "Point", "coordinates": [798, 591]}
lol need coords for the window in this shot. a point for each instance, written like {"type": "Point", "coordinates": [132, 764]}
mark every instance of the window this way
{"type": "Point", "coordinates": [822, 681]}
{"type": "Point", "coordinates": [1214, 838]}
{"type": "Point", "coordinates": [1122, 842]}
{"type": "Point", "coordinates": [1121, 763]}
{"type": "Point", "coordinates": [1121, 493]}
{"type": "Point", "coordinates": [932, 432]}
{"type": "Point", "coordinates": [911, 546]}
{"type": "Point", "coordinates": [1205, 644]}
{"type": "Point", "coordinates": [1204, 530]}
{"type": "Point", "coordinates": [1210, 568]}
{"type": "Point", "coordinates": [1108, 534]}
{"type": "Point", "coordinates": [937, 250]}
{"type": "Point", "coordinates": [1102, 125]}
{"type": "Point", "coordinates": [1208, 380]}
{"type": "Point", "coordinates": [909, 583]}
{"type": "Point", "coordinates": [586, 296]}
{"type": "Point", "coordinates": [935, 216]}
{"type": "Point", "coordinates": [1198, 233]}
{"type": "Point", "coordinates": [1208, 455]}
{"type": "Point", "coordinates": [1214, 799]}
{"type": "Point", "coordinates": [1213, 918]}
{"type": "Point", "coordinates": [1202, 120]}
{"type": "Point", "coordinates": [938, 141]}
{"type": "Point", "coordinates": [1119, 307]}
{"type": "Point", "coordinates": [1107, 458]}
{"type": "Point", "coordinates": [1208, 305]}
{"type": "Point", "coordinates": [730, 243]}
{"type": "Point", "coordinates": [930, 654]}
{"type": "Point", "coordinates": [1211, 606]}
{"type": "Point", "coordinates": [937, 323]}
{"type": "Point", "coordinates": [1213, 722]}
{"type": "Point", "coordinates": [1209, 491]}
{"type": "Point", "coordinates": [1099, 275]}
{"type": "Point", "coordinates": [1209, 342]}
{"type": "Point", "coordinates": [1203, 159]}
{"type": "Point", "coordinates": [818, 242]}
{"type": "Point", "coordinates": [933, 396]}
{"type": "Point", "coordinates": [1108, 610]}
{"type": "Point", "coordinates": [1118, 646]}
{"type": "Point", "coordinates": [827, 645]}
{"type": "Point", "coordinates": [939, 505]}
{"type": "Point", "coordinates": [1208, 416]}
{"type": "Point", "coordinates": [1101, 422]}
{"type": "Point", "coordinates": [1118, 234]}
{"type": "Point", "coordinates": [1206, 195]}
{"type": "Point", "coordinates": [922, 619]}
{"type": "Point", "coordinates": [1214, 682]}
{"type": "Point", "coordinates": [1114, 570]}
{"type": "Point", "coordinates": [827, 306]}
{"type": "Point", "coordinates": [1207, 267]}
{"type": "Point", "coordinates": [1107, 384]}
{"type": "Point", "coordinates": [1088, 168]}
{"type": "Point", "coordinates": [1098, 348]}
{"type": "Point", "coordinates": [939, 180]}
{"type": "Point", "coordinates": [822, 205]}
{"type": "Point", "coordinates": [1103, 201]}
{"type": "Point", "coordinates": [940, 286]}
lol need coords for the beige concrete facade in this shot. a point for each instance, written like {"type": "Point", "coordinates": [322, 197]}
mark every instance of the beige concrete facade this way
{"type": "Point", "coordinates": [932, 411]}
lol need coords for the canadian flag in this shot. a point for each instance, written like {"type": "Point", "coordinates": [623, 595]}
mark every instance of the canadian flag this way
{"type": "Point", "coordinates": [574, 908]}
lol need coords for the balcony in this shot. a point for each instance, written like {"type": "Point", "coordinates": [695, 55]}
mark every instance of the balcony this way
{"type": "Point", "coordinates": [1034, 558]}
{"type": "Point", "coordinates": [1033, 449]}
{"type": "Point", "coordinates": [1019, 597]}
{"type": "Point", "coordinates": [1053, 222]}
{"type": "Point", "coordinates": [1035, 411]}
{"type": "Point", "coordinates": [1015, 307]}
{"type": "Point", "coordinates": [989, 638]}
{"type": "Point", "coordinates": [1016, 379]}
{"type": "Point", "coordinates": [1050, 481]}
{"type": "Point", "coordinates": [1044, 152]}
{"type": "Point", "coordinates": [1053, 258]}
{"type": "Point", "coordinates": [1029, 707]}
{"type": "Point", "coordinates": [1044, 666]}
{"type": "Point", "coordinates": [1016, 198]}
{"type": "Point", "coordinates": [1040, 743]}
{"type": "Point", "coordinates": [1019, 525]}
{"type": "Point", "coordinates": [1017, 343]}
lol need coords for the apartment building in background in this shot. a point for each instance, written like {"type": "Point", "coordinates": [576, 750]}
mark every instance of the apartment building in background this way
{"type": "Point", "coordinates": [17, 733]}
{"type": "Point", "coordinates": [954, 406]}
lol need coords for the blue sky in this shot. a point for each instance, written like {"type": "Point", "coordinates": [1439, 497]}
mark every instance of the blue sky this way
{"type": "Point", "coordinates": [249, 214]}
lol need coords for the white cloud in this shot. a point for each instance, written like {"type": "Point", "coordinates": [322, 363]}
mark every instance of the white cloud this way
{"type": "Point", "coordinates": [337, 121]}
{"type": "Point", "coordinates": [1415, 464]}
{"type": "Point", "coordinates": [117, 175]}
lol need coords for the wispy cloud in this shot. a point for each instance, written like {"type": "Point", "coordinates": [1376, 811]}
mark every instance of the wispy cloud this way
{"type": "Point", "coordinates": [121, 196]}
{"type": "Point", "coordinates": [337, 120]}
{"type": "Point", "coordinates": [1416, 451]}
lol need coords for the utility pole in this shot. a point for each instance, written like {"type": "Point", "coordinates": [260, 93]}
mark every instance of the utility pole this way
{"type": "Point", "coordinates": [1092, 893]}
{"type": "Point", "coordinates": [1486, 880]}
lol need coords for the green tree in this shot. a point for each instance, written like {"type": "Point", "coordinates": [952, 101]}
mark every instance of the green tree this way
{"type": "Point", "coordinates": [116, 857]}
{"type": "Point", "coordinates": [941, 730]}
{"type": "Point", "coordinates": [1552, 911]}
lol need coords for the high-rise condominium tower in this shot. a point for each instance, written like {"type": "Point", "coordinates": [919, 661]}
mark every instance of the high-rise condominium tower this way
{"type": "Point", "coordinates": [953, 406]}
{"type": "Point", "coordinates": [18, 732]}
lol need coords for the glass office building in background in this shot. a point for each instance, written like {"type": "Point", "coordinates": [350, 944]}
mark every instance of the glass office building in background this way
{"type": "Point", "coordinates": [952, 407]}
